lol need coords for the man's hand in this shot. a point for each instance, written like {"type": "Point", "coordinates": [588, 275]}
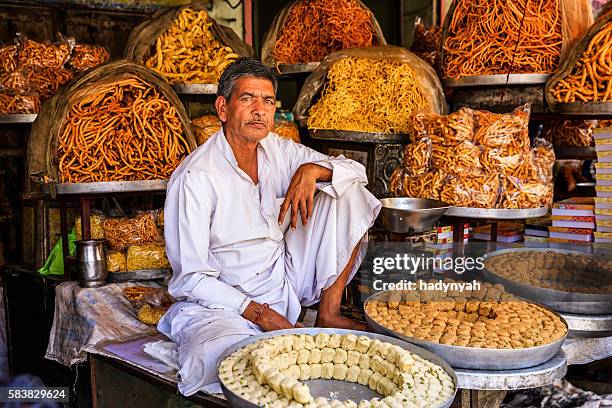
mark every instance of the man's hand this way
{"type": "Point", "coordinates": [269, 320]}
{"type": "Point", "coordinates": [300, 193]}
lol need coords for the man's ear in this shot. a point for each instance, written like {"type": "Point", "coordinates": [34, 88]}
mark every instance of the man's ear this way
{"type": "Point", "coordinates": [221, 108]}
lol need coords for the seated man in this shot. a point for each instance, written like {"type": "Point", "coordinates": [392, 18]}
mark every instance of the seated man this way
{"type": "Point", "coordinates": [237, 266]}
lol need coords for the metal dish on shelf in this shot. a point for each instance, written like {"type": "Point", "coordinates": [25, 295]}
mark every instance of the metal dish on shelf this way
{"type": "Point", "coordinates": [582, 108]}
{"type": "Point", "coordinates": [106, 187]}
{"type": "Point", "coordinates": [404, 214]}
{"type": "Point", "coordinates": [581, 325]}
{"type": "Point", "coordinates": [363, 137]}
{"type": "Point", "coordinates": [142, 275]}
{"type": "Point", "coordinates": [324, 388]}
{"type": "Point", "coordinates": [474, 357]}
{"type": "Point", "coordinates": [18, 117]}
{"type": "Point", "coordinates": [195, 89]}
{"type": "Point", "coordinates": [496, 80]}
{"type": "Point", "coordinates": [557, 300]}
{"type": "Point", "coordinates": [304, 68]}
{"type": "Point", "coordinates": [496, 213]}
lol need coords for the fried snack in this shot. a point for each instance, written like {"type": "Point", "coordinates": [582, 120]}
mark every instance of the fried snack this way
{"type": "Point", "coordinates": [508, 132]}
{"type": "Point", "coordinates": [477, 191]}
{"type": "Point", "coordinates": [315, 28]}
{"type": "Point", "coordinates": [46, 55]}
{"type": "Point", "coordinates": [135, 293]}
{"type": "Point", "coordinates": [591, 77]}
{"type": "Point", "coordinates": [482, 38]}
{"type": "Point", "coordinates": [578, 133]}
{"type": "Point", "coordinates": [146, 256]}
{"type": "Point", "coordinates": [188, 52]}
{"type": "Point", "coordinates": [428, 185]}
{"type": "Point", "coordinates": [14, 103]}
{"type": "Point", "coordinates": [417, 156]}
{"type": "Point", "coordinates": [426, 44]}
{"type": "Point", "coordinates": [121, 232]}
{"type": "Point", "coordinates": [517, 194]}
{"type": "Point", "coordinates": [444, 130]}
{"type": "Point", "coordinates": [287, 130]}
{"type": "Point", "coordinates": [116, 261]}
{"type": "Point", "coordinates": [205, 126]}
{"type": "Point", "coordinates": [41, 81]}
{"type": "Point", "coordinates": [125, 131]}
{"type": "Point", "coordinates": [150, 314]}
{"type": "Point", "coordinates": [95, 227]}
{"type": "Point", "coordinates": [8, 58]}
{"type": "Point", "coordinates": [368, 95]}
{"type": "Point", "coordinates": [160, 218]}
{"type": "Point", "coordinates": [463, 158]}
{"type": "Point", "coordinates": [86, 56]}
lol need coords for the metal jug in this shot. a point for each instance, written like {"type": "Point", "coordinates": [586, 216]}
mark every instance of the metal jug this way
{"type": "Point", "coordinates": [91, 263]}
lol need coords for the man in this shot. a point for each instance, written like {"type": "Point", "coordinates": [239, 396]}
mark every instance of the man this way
{"type": "Point", "coordinates": [237, 265]}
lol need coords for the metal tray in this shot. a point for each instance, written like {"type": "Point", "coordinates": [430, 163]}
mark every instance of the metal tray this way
{"type": "Point", "coordinates": [363, 137]}
{"type": "Point", "coordinates": [473, 357]}
{"type": "Point", "coordinates": [559, 301]}
{"type": "Point", "coordinates": [142, 275]}
{"type": "Point", "coordinates": [106, 187]}
{"type": "Point", "coordinates": [195, 89]}
{"type": "Point", "coordinates": [496, 213]}
{"type": "Point", "coordinates": [18, 118]}
{"type": "Point", "coordinates": [583, 108]}
{"type": "Point", "coordinates": [342, 389]}
{"type": "Point", "coordinates": [496, 80]}
{"type": "Point", "coordinates": [404, 214]}
{"type": "Point", "coordinates": [288, 69]}
{"type": "Point", "coordinates": [588, 325]}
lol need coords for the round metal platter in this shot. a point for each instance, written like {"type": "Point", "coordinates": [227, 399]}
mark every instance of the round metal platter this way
{"type": "Point", "coordinates": [341, 390]}
{"type": "Point", "coordinates": [364, 137]}
{"type": "Point", "coordinates": [496, 213]}
{"type": "Point", "coordinates": [559, 301]}
{"type": "Point", "coordinates": [496, 80]}
{"type": "Point", "coordinates": [288, 69]}
{"type": "Point", "coordinates": [473, 357]}
{"type": "Point", "coordinates": [107, 187]}
{"type": "Point", "coordinates": [18, 118]}
{"type": "Point", "coordinates": [583, 108]}
{"type": "Point", "coordinates": [588, 325]}
{"type": "Point", "coordinates": [142, 275]}
{"type": "Point", "coordinates": [195, 89]}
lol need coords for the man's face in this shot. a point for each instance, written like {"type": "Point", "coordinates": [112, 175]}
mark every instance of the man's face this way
{"type": "Point", "coordinates": [249, 113]}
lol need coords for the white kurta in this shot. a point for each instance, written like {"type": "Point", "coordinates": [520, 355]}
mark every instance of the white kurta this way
{"type": "Point", "coordinates": [226, 247]}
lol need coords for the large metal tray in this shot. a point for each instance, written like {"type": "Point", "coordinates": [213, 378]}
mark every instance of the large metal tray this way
{"type": "Point", "coordinates": [288, 69]}
{"type": "Point", "coordinates": [473, 357]}
{"type": "Point", "coordinates": [341, 389]}
{"type": "Point", "coordinates": [18, 118]}
{"type": "Point", "coordinates": [496, 213]}
{"type": "Point", "coordinates": [142, 275]}
{"type": "Point", "coordinates": [583, 108]}
{"type": "Point", "coordinates": [363, 137]}
{"type": "Point", "coordinates": [195, 89]}
{"type": "Point", "coordinates": [559, 301]}
{"type": "Point", "coordinates": [107, 187]}
{"type": "Point", "coordinates": [496, 80]}
{"type": "Point", "coordinates": [588, 325]}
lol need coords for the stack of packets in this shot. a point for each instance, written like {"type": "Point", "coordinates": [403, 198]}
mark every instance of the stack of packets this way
{"type": "Point", "coordinates": [573, 222]}
{"type": "Point", "coordinates": [536, 232]}
{"type": "Point", "coordinates": [506, 232]}
{"type": "Point", "coordinates": [603, 201]}
{"type": "Point", "coordinates": [438, 244]}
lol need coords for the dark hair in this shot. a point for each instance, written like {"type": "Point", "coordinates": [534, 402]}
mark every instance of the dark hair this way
{"type": "Point", "coordinates": [243, 68]}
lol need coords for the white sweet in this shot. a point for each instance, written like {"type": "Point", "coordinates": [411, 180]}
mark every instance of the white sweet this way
{"type": "Point", "coordinates": [364, 361]}
{"type": "Point", "coordinates": [293, 372]}
{"type": "Point", "coordinates": [353, 358]}
{"type": "Point", "coordinates": [334, 341]}
{"type": "Point", "coordinates": [309, 342]}
{"type": "Point", "coordinates": [304, 372]}
{"type": "Point", "coordinates": [287, 387]}
{"type": "Point", "coordinates": [301, 393]}
{"type": "Point", "coordinates": [327, 355]}
{"type": "Point", "coordinates": [299, 342]}
{"type": "Point", "coordinates": [303, 356]}
{"type": "Point", "coordinates": [340, 356]}
{"type": "Point", "coordinates": [349, 341]}
{"type": "Point", "coordinates": [315, 371]}
{"type": "Point", "coordinates": [321, 340]}
{"type": "Point", "coordinates": [363, 343]}
{"type": "Point", "coordinates": [292, 355]}
{"type": "Point", "coordinates": [364, 376]}
{"type": "Point", "coordinates": [327, 370]}
{"type": "Point", "coordinates": [353, 373]}
{"type": "Point", "coordinates": [315, 356]}
{"type": "Point", "coordinates": [340, 371]}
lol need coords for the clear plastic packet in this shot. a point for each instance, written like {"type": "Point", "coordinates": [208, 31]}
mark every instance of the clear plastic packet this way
{"type": "Point", "coordinates": [517, 194]}
{"type": "Point", "coordinates": [158, 297]}
{"type": "Point", "coordinates": [16, 81]}
{"type": "Point", "coordinates": [506, 131]}
{"type": "Point", "coordinates": [160, 219]}
{"type": "Point", "coordinates": [417, 156]}
{"type": "Point", "coordinates": [150, 315]}
{"type": "Point", "coordinates": [147, 256]}
{"type": "Point", "coordinates": [287, 129]}
{"type": "Point", "coordinates": [85, 56]}
{"type": "Point", "coordinates": [11, 102]}
{"type": "Point", "coordinates": [134, 294]}
{"type": "Point", "coordinates": [396, 182]}
{"type": "Point", "coordinates": [205, 126]}
{"type": "Point", "coordinates": [543, 156]}
{"type": "Point", "coordinates": [95, 224]}
{"type": "Point", "coordinates": [427, 185]}
{"type": "Point", "coordinates": [426, 44]}
{"type": "Point", "coordinates": [116, 261]}
{"type": "Point", "coordinates": [445, 130]}
{"type": "Point", "coordinates": [46, 81]}
{"type": "Point", "coordinates": [480, 191]}
{"type": "Point", "coordinates": [120, 232]}
{"type": "Point", "coordinates": [462, 158]}
{"type": "Point", "coordinates": [576, 133]}
{"type": "Point", "coordinates": [32, 53]}
{"type": "Point", "coordinates": [8, 58]}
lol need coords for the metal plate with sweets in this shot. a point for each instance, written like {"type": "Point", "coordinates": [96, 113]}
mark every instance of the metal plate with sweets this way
{"type": "Point", "coordinates": [474, 357]}
{"type": "Point", "coordinates": [402, 215]}
{"type": "Point", "coordinates": [333, 389]}
{"type": "Point", "coordinates": [496, 213]}
{"type": "Point", "coordinates": [558, 300]}
{"type": "Point", "coordinates": [135, 276]}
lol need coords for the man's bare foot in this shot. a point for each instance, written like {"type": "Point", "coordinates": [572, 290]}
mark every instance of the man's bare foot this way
{"type": "Point", "coordinates": [339, 322]}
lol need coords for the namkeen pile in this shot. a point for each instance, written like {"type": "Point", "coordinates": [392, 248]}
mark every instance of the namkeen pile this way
{"type": "Point", "coordinates": [486, 318]}
{"type": "Point", "coordinates": [590, 80]}
{"type": "Point", "coordinates": [125, 130]}
{"type": "Point", "coordinates": [553, 270]}
{"type": "Point", "coordinates": [368, 95]}
{"type": "Point", "coordinates": [270, 372]}
{"type": "Point", "coordinates": [188, 51]}
{"type": "Point", "coordinates": [500, 37]}
{"type": "Point", "coordinates": [315, 28]}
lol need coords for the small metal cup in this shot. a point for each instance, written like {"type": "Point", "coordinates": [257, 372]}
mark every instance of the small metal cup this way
{"type": "Point", "coordinates": [91, 263]}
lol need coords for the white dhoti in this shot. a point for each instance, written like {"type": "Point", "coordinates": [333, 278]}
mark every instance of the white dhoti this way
{"type": "Point", "coordinates": [312, 259]}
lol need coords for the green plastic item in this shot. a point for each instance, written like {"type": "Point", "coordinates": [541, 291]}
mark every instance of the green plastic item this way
{"type": "Point", "coordinates": [55, 262]}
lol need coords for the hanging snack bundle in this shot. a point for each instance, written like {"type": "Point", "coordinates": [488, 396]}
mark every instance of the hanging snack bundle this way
{"type": "Point", "coordinates": [147, 256]}
{"type": "Point", "coordinates": [124, 231]}
{"type": "Point", "coordinates": [574, 133]}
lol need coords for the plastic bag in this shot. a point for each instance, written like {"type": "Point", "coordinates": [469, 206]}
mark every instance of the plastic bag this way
{"type": "Point", "coordinates": [471, 191]}
{"type": "Point", "coordinates": [123, 231]}
{"type": "Point", "coordinates": [8, 58]}
{"type": "Point", "coordinates": [205, 126]}
{"type": "Point", "coordinates": [287, 129]}
{"type": "Point", "coordinates": [524, 194]}
{"type": "Point", "coordinates": [427, 43]}
{"type": "Point", "coordinates": [463, 158]}
{"type": "Point", "coordinates": [417, 156]}
{"type": "Point", "coordinates": [543, 156]}
{"type": "Point", "coordinates": [32, 53]}
{"type": "Point", "coordinates": [54, 265]}
{"type": "Point", "coordinates": [40, 81]}
{"type": "Point", "coordinates": [95, 225]}
{"type": "Point", "coordinates": [427, 185]}
{"type": "Point", "coordinates": [369, 103]}
{"type": "Point", "coordinates": [147, 256]}
{"type": "Point", "coordinates": [151, 315]}
{"type": "Point", "coordinates": [85, 56]}
{"type": "Point", "coordinates": [446, 130]}
{"type": "Point", "coordinates": [508, 131]}
{"type": "Point", "coordinates": [15, 103]}
{"type": "Point", "coordinates": [577, 133]}
{"type": "Point", "coordinates": [116, 261]}
{"type": "Point", "coordinates": [319, 28]}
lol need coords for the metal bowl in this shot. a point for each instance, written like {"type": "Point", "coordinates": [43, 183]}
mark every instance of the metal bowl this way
{"type": "Point", "coordinates": [403, 215]}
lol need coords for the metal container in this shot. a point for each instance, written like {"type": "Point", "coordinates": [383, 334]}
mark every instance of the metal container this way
{"type": "Point", "coordinates": [403, 215]}
{"type": "Point", "coordinates": [91, 263]}
{"type": "Point", "coordinates": [474, 357]}
{"type": "Point", "coordinates": [341, 389]}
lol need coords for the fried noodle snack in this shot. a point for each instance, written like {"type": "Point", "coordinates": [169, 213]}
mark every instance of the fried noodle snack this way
{"type": "Point", "coordinates": [188, 51]}
{"type": "Point", "coordinates": [87, 56]}
{"type": "Point", "coordinates": [121, 232]}
{"type": "Point", "coordinates": [125, 131]}
{"type": "Point", "coordinates": [8, 58]}
{"type": "Point", "coordinates": [14, 103]}
{"type": "Point", "coordinates": [36, 54]}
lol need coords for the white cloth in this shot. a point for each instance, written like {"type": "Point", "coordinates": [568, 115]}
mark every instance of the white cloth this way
{"type": "Point", "coordinates": [226, 247]}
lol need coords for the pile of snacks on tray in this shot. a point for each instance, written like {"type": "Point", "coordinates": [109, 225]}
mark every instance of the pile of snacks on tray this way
{"type": "Point", "coordinates": [575, 133]}
{"type": "Point", "coordinates": [31, 71]}
{"type": "Point", "coordinates": [476, 159]}
{"type": "Point", "coordinates": [151, 303]}
{"type": "Point", "coordinates": [270, 372]}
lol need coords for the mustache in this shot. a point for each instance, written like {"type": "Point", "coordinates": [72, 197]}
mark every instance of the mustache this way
{"type": "Point", "coordinates": [257, 122]}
